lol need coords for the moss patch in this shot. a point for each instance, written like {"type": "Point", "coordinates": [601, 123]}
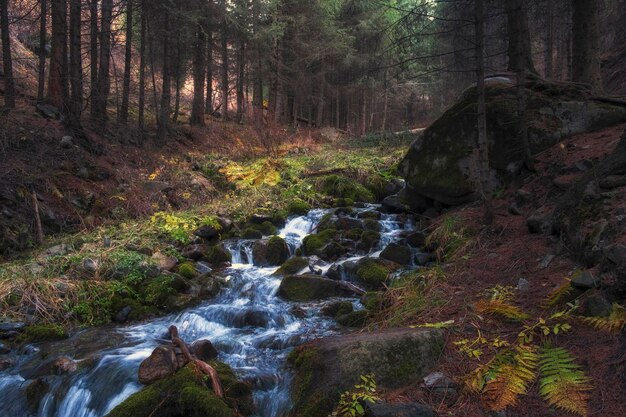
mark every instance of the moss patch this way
{"type": "Point", "coordinates": [345, 188]}
{"type": "Point", "coordinates": [373, 273]}
{"type": "Point", "coordinates": [218, 255]}
{"type": "Point", "coordinates": [312, 244]}
{"type": "Point", "coordinates": [299, 207]}
{"type": "Point", "coordinates": [293, 266]}
{"type": "Point", "coordinates": [42, 333]}
{"type": "Point", "coordinates": [187, 270]}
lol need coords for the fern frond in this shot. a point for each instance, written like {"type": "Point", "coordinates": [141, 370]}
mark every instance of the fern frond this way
{"type": "Point", "coordinates": [563, 384]}
{"type": "Point", "coordinates": [501, 308]}
{"type": "Point", "coordinates": [558, 294]}
{"type": "Point", "coordinates": [511, 378]}
{"type": "Point", "coordinates": [615, 322]}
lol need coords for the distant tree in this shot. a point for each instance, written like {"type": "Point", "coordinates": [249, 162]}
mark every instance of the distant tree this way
{"type": "Point", "coordinates": [99, 112]}
{"type": "Point", "coordinates": [586, 43]}
{"type": "Point", "coordinates": [123, 115]}
{"type": "Point", "coordinates": [93, 53]}
{"type": "Point", "coordinates": [142, 68]}
{"type": "Point", "coordinates": [519, 51]}
{"type": "Point", "coordinates": [41, 79]}
{"type": "Point", "coordinates": [9, 82]}
{"type": "Point", "coordinates": [76, 64]}
{"type": "Point", "coordinates": [57, 77]}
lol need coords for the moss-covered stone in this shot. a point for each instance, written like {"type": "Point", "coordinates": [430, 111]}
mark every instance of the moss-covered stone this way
{"type": "Point", "coordinates": [354, 234]}
{"type": "Point", "coordinates": [345, 188]}
{"type": "Point", "coordinates": [42, 333]}
{"type": "Point", "coordinates": [372, 300]}
{"type": "Point", "coordinates": [217, 255]}
{"type": "Point", "coordinates": [373, 273]}
{"type": "Point", "coordinates": [251, 233]}
{"type": "Point", "coordinates": [187, 270]}
{"type": "Point", "coordinates": [270, 252]}
{"type": "Point", "coordinates": [293, 266]}
{"type": "Point", "coordinates": [337, 309]}
{"type": "Point", "coordinates": [310, 287]}
{"type": "Point", "coordinates": [369, 239]}
{"type": "Point", "coordinates": [371, 224]}
{"type": "Point", "coordinates": [186, 394]}
{"type": "Point", "coordinates": [299, 207]}
{"type": "Point", "coordinates": [35, 392]}
{"type": "Point", "coordinates": [353, 319]}
{"type": "Point", "coordinates": [312, 244]}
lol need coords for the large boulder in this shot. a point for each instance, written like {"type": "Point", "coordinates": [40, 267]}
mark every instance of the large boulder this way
{"type": "Point", "coordinates": [310, 288]}
{"type": "Point", "coordinates": [326, 367]}
{"type": "Point", "coordinates": [271, 252]}
{"type": "Point", "coordinates": [440, 163]}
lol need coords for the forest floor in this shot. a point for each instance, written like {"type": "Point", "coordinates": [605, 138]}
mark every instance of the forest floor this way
{"type": "Point", "coordinates": [230, 171]}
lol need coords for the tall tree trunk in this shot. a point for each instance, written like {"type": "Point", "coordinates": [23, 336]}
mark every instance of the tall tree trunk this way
{"type": "Point", "coordinates": [76, 63]}
{"type": "Point", "coordinates": [519, 51]}
{"type": "Point", "coordinates": [586, 44]}
{"type": "Point", "coordinates": [177, 71]}
{"type": "Point", "coordinates": [57, 80]}
{"type": "Point", "coordinates": [142, 69]}
{"type": "Point", "coordinates": [104, 78]}
{"type": "Point", "coordinates": [549, 72]}
{"type": "Point", "coordinates": [241, 66]}
{"type": "Point", "coordinates": [166, 93]}
{"type": "Point", "coordinates": [224, 84]}
{"type": "Point", "coordinates": [93, 52]}
{"type": "Point", "coordinates": [482, 143]}
{"type": "Point", "coordinates": [7, 60]}
{"type": "Point", "coordinates": [41, 83]}
{"type": "Point", "coordinates": [199, 68]}
{"type": "Point", "coordinates": [208, 108]}
{"type": "Point", "coordinates": [123, 119]}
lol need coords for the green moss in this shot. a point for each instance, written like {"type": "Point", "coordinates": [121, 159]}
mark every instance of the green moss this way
{"type": "Point", "coordinates": [218, 255]}
{"type": "Point", "coordinates": [343, 203]}
{"type": "Point", "coordinates": [138, 310]}
{"type": "Point", "coordinates": [353, 319]}
{"type": "Point", "coordinates": [370, 237]}
{"type": "Point", "coordinates": [371, 224]}
{"type": "Point", "coordinates": [354, 234]}
{"type": "Point", "coordinates": [159, 290]}
{"type": "Point", "coordinates": [183, 394]}
{"type": "Point", "coordinates": [277, 250]}
{"type": "Point", "coordinates": [305, 361]}
{"type": "Point", "coordinates": [292, 266]}
{"type": "Point", "coordinates": [187, 270]}
{"type": "Point", "coordinates": [298, 207]}
{"type": "Point", "coordinates": [252, 233]}
{"type": "Point", "coordinates": [267, 228]}
{"type": "Point", "coordinates": [372, 300]}
{"type": "Point", "coordinates": [313, 243]}
{"type": "Point", "coordinates": [42, 332]}
{"type": "Point", "coordinates": [345, 188]}
{"type": "Point", "coordinates": [372, 273]}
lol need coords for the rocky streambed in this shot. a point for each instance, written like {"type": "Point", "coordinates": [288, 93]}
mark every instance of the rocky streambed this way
{"type": "Point", "coordinates": [330, 260]}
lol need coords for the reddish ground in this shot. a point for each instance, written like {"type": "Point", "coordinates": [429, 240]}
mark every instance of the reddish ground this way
{"type": "Point", "coordinates": [502, 254]}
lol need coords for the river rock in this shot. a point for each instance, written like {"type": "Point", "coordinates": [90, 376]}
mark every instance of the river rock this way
{"type": "Point", "coordinates": [585, 280]}
{"type": "Point", "coordinates": [8, 330]}
{"type": "Point", "coordinates": [270, 252]}
{"type": "Point", "coordinates": [195, 252]}
{"type": "Point", "coordinates": [203, 350]}
{"type": "Point", "coordinates": [311, 287]}
{"type": "Point", "coordinates": [164, 262]}
{"type": "Point", "coordinates": [207, 232]}
{"type": "Point", "coordinates": [326, 367]}
{"type": "Point", "coordinates": [160, 364]}
{"type": "Point", "coordinates": [439, 163]}
{"type": "Point", "coordinates": [382, 409]}
{"type": "Point", "coordinates": [63, 365]}
{"type": "Point", "coordinates": [397, 253]}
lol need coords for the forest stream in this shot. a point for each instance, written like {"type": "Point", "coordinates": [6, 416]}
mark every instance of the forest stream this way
{"type": "Point", "coordinates": [251, 327]}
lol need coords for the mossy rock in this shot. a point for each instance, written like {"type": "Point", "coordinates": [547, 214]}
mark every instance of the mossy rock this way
{"type": "Point", "coordinates": [369, 239]}
{"type": "Point", "coordinates": [353, 319]}
{"type": "Point", "coordinates": [371, 224]}
{"type": "Point", "coordinates": [344, 188]}
{"type": "Point", "coordinates": [138, 311]}
{"type": "Point", "coordinates": [312, 244]}
{"type": "Point", "coordinates": [299, 207]}
{"type": "Point", "coordinates": [159, 290]}
{"type": "Point", "coordinates": [251, 233]}
{"type": "Point", "coordinates": [343, 203]}
{"type": "Point", "coordinates": [353, 234]}
{"type": "Point", "coordinates": [42, 333]}
{"type": "Point", "coordinates": [187, 270]}
{"type": "Point", "coordinates": [217, 255]}
{"type": "Point", "coordinates": [311, 287]}
{"type": "Point", "coordinates": [271, 252]}
{"type": "Point", "coordinates": [187, 394]}
{"type": "Point", "coordinates": [293, 266]}
{"type": "Point", "coordinates": [372, 300]}
{"type": "Point", "coordinates": [35, 392]}
{"type": "Point", "coordinates": [338, 308]}
{"type": "Point", "coordinates": [373, 272]}
{"type": "Point", "coordinates": [438, 166]}
{"type": "Point", "coordinates": [327, 367]}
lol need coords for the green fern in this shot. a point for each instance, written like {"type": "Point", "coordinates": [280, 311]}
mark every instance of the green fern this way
{"type": "Point", "coordinates": [563, 384]}
{"type": "Point", "coordinates": [558, 294]}
{"type": "Point", "coordinates": [615, 322]}
{"type": "Point", "coordinates": [500, 308]}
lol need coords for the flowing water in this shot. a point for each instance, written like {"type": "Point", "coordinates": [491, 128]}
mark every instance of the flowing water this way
{"type": "Point", "coordinates": [250, 326]}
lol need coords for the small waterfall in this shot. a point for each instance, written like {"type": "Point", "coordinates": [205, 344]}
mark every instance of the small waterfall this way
{"type": "Point", "coordinates": [251, 327]}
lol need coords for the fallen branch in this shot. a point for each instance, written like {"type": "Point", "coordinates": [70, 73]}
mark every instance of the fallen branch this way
{"type": "Point", "coordinates": [37, 219]}
{"type": "Point", "coordinates": [205, 367]}
{"type": "Point", "coordinates": [351, 287]}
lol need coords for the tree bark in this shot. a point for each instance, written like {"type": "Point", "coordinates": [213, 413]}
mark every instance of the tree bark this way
{"type": "Point", "coordinates": [7, 60]}
{"type": "Point", "coordinates": [519, 51]}
{"type": "Point", "coordinates": [142, 69]}
{"type": "Point", "coordinates": [482, 143]}
{"type": "Point", "coordinates": [123, 119]}
{"type": "Point", "coordinates": [57, 81]}
{"type": "Point", "coordinates": [199, 68]}
{"type": "Point", "coordinates": [208, 108]}
{"type": "Point", "coordinates": [76, 63]}
{"type": "Point", "coordinates": [104, 78]}
{"type": "Point", "coordinates": [166, 93]}
{"type": "Point", "coordinates": [586, 44]}
{"type": "Point", "coordinates": [549, 41]}
{"type": "Point", "coordinates": [224, 84]}
{"type": "Point", "coordinates": [241, 65]}
{"type": "Point", "coordinates": [93, 52]}
{"type": "Point", "coordinates": [41, 83]}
